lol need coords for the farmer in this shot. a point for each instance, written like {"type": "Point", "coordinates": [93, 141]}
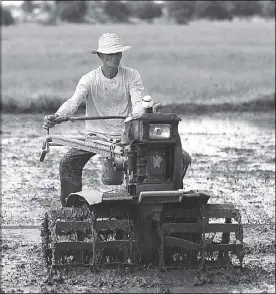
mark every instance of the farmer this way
{"type": "Point", "coordinates": [110, 89]}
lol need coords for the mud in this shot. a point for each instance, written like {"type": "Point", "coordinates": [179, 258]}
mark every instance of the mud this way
{"type": "Point", "coordinates": [233, 156]}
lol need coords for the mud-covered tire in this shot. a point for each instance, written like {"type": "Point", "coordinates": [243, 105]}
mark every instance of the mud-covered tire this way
{"type": "Point", "coordinates": [48, 233]}
{"type": "Point", "coordinates": [68, 213]}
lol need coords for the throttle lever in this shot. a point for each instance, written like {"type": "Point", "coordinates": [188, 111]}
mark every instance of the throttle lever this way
{"type": "Point", "coordinates": [42, 155]}
{"type": "Point", "coordinates": [45, 146]}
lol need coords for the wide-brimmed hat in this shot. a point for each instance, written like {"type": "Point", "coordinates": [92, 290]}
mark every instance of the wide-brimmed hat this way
{"type": "Point", "coordinates": [109, 43]}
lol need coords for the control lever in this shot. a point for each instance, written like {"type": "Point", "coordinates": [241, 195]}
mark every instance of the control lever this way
{"type": "Point", "coordinates": [45, 146]}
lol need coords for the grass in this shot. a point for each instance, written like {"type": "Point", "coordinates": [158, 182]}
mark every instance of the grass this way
{"type": "Point", "coordinates": [202, 63]}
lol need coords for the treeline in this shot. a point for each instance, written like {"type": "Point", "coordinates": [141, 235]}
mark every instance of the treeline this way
{"type": "Point", "coordinates": [180, 12]}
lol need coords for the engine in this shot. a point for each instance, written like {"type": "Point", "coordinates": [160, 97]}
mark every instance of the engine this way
{"type": "Point", "coordinates": [153, 152]}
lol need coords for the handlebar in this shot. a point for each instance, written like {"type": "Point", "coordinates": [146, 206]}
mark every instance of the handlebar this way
{"type": "Point", "coordinates": [59, 120]}
{"type": "Point", "coordinates": [92, 117]}
{"type": "Point", "coordinates": [74, 118]}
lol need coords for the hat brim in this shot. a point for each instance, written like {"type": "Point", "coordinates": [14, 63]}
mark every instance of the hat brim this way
{"type": "Point", "coordinates": [122, 49]}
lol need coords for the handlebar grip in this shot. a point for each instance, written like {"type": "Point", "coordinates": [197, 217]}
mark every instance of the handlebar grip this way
{"type": "Point", "coordinates": [59, 120]}
{"type": "Point", "coordinates": [42, 155]}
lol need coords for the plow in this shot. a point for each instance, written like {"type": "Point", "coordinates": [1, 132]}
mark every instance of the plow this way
{"type": "Point", "coordinates": [150, 219]}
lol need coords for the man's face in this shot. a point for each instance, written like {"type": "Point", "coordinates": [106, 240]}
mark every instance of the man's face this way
{"type": "Point", "coordinates": [111, 60]}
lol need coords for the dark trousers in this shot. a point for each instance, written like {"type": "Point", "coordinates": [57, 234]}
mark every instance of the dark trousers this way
{"type": "Point", "coordinates": [70, 172]}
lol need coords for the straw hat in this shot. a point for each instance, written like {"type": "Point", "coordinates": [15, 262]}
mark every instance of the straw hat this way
{"type": "Point", "coordinates": [109, 43]}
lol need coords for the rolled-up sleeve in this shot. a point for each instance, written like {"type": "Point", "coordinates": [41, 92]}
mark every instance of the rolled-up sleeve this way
{"type": "Point", "coordinates": [136, 93]}
{"type": "Point", "coordinates": [71, 105]}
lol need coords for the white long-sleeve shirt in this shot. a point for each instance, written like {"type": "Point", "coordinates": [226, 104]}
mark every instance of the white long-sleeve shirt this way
{"type": "Point", "coordinates": [121, 95]}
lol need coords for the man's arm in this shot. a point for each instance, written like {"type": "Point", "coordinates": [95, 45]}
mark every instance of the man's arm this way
{"type": "Point", "coordinates": [71, 105]}
{"type": "Point", "coordinates": [136, 93]}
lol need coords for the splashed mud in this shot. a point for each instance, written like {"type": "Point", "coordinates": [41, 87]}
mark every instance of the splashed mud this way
{"type": "Point", "coordinates": [233, 156]}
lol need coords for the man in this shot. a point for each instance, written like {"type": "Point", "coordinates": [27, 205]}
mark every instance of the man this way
{"type": "Point", "coordinates": [110, 89]}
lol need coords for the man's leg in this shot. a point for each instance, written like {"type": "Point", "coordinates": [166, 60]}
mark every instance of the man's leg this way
{"type": "Point", "coordinates": [70, 171]}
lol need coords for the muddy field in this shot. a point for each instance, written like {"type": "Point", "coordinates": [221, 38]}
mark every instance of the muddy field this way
{"type": "Point", "coordinates": [233, 156]}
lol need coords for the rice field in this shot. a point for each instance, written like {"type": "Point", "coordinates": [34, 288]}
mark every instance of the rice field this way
{"type": "Point", "coordinates": [204, 62]}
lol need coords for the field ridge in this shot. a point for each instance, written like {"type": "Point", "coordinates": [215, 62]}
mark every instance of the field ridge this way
{"type": "Point", "coordinates": [50, 104]}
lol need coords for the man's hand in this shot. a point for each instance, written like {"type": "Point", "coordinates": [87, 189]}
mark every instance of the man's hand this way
{"type": "Point", "coordinates": [50, 120]}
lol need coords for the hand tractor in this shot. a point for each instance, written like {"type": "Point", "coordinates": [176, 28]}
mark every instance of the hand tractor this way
{"type": "Point", "coordinates": [150, 219]}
